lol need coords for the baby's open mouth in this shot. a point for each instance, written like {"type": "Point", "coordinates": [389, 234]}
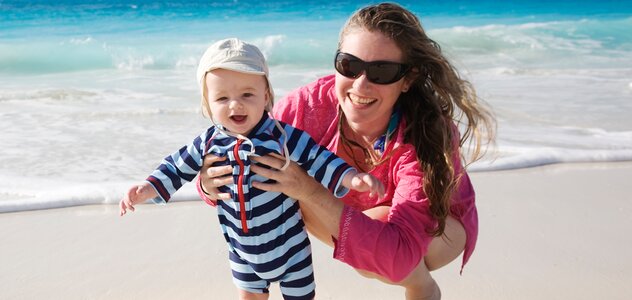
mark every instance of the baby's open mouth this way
{"type": "Point", "coordinates": [238, 118]}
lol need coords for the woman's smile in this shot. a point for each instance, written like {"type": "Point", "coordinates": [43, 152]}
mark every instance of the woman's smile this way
{"type": "Point", "coordinates": [357, 100]}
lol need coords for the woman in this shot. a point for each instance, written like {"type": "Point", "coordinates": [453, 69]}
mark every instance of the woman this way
{"type": "Point", "coordinates": [391, 110]}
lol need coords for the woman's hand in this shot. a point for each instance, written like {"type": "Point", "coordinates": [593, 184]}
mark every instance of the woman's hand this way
{"type": "Point", "coordinates": [293, 181]}
{"type": "Point", "coordinates": [213, 177]}
{"type": "Point", "coordinates": [320, 208]}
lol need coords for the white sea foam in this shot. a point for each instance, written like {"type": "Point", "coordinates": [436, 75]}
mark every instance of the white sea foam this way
{"type": "Point", "coordinates": [65, 145]}
{"type": "Point", "coordinates": [81, 41]}
{"type": "Point", "coordinates": [131, 63]}
{"type": "Point", "coordinates": [268, 43]}
{"type": "Point", "coordinates": [37, 194]}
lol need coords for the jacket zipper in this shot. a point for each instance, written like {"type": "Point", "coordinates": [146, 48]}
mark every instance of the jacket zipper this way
{"type": "Point", "coordinates": [240, 188]}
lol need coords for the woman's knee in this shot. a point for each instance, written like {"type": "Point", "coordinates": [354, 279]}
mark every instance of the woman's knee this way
{"type": "Point", "coordinates": [419, 276]}
{"type": "Point", "coordinates": [447, 247]}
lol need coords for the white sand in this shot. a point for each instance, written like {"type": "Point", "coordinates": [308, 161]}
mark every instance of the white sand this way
{"type": "Point", "coordinates": [556, 232]}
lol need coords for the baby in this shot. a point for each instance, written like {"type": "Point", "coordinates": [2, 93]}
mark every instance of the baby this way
{"type": "Point", "coordinates": [266, 238]}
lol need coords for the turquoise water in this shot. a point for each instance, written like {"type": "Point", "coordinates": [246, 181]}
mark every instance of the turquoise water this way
{"type": "Point", "coordinates": [63, 36]}
{"type": "Point", "coordinates": [93, 95]}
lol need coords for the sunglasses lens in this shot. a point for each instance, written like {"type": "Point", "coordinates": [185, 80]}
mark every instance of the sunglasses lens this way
{"type": "Point", "coordinates": [384, 73]}
{"type": "Point", "coordinates": [348, 66]}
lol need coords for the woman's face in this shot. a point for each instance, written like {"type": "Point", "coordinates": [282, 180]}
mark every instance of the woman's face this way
{"type": "Point", "coordinates": [368, 106]}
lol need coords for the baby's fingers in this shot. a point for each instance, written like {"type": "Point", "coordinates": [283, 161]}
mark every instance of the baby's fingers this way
{"type": "Point", "coordinates": [380, 190]}
{"type": "Point", "coordinates": [375, 186]}
{"type": "Point", "coordinates": [123, 205]}
{"type": "Point", "coordinates": [122, 208]}
{"type": "Point", "coordinates": [126, 204]}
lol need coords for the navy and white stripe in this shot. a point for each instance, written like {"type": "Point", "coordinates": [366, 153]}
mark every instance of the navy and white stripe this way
{"type": "Point", "coordinates": [276, 246]}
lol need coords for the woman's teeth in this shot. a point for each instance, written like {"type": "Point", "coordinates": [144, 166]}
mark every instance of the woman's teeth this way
{"type": "Point", "coordinates": [360, 100]}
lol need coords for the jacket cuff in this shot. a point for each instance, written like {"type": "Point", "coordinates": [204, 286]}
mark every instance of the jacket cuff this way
{"type": "Point", "coordinates": [340, 244]}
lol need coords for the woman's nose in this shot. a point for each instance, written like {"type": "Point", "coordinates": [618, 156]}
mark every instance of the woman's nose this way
{"type": "Point", "coordinates": [361, 83]}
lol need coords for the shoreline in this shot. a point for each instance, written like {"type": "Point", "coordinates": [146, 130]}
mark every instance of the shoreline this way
{"type": "Point", "coordinates": [544, 232]}
{"type": "Point", "coordinates": [109, 193]}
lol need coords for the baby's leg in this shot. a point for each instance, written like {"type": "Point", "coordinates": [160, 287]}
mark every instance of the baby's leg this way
{"type": "Point", "coordinates": [298, 282]}
{"type": "Point", "coordinates": [251, 286]}
{"type": "Point", "coordinates": [245, 295]}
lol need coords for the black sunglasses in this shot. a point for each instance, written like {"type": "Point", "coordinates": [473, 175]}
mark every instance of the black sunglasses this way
{"type": "Point", "coordinates": [380, 72]}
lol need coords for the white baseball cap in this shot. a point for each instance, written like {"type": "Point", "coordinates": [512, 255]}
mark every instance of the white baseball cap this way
{"type": "Point", "coordinates": [235, 55]}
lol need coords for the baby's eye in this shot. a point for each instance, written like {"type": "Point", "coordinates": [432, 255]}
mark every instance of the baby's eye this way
{"type": "Point", "coordinates": [221, 99]}
{"type": "Point", "coordinates": [246, 95]}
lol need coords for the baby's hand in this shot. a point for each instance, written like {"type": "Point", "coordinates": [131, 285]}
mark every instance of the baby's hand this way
{"type": "Point", "coordinates": [363, 182]}
{"type": "Point", "coordinates": [136, 194]}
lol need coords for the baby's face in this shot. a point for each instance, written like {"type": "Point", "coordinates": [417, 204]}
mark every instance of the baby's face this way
{"type": "Point", "coordinates": [237, 100]}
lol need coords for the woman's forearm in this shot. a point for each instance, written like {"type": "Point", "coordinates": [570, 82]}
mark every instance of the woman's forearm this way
{"type": "Point", "coordinates": [321, 204]}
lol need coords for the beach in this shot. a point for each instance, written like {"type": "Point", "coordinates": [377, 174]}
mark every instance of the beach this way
{"type": "Point", "coordinates": [553, 232]}
{"type": "Point", "coordinates": [93, 95]}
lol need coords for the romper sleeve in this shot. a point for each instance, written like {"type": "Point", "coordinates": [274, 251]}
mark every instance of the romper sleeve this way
{"type": "Point", "coordinates": [178, 168]}
{"type": "Point", "coordinates": [393, 248]}
{"type": "Point", "coordinates": [320, 163]}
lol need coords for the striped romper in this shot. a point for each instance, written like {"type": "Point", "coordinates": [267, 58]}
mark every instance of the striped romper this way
{"type": "Point", "coordinates": [266, 238]}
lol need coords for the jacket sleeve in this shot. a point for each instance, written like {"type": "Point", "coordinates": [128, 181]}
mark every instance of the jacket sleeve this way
{"type": "Point", "coordinates": [393, 248]}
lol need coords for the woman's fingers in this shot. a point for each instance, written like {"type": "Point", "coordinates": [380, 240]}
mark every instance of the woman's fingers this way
{"type": "Point", "coordinates": [223, 196]}
{"type": "Point", "coordinates": [218, 181]}
{"type": "Point", "coordinates": [268, 187]}
{"type": "Point", "coordinates": [270, 174]}
{"type": "Point", "coordinates": [210, 187]}
{"type": "Point", "coordinates": [265, 172]}
{"type": "Point", "coordinates": [293, 181]}
{"type": "Point", "coordinates": [218, 171]}
{"type": "Point", "coordinates": [210, 172]}
{"type": "Point", "coordinates": [210, 159]}
{"type": "Point", "coordinates": [212, 177]}
{"type": "Point", "coordinates": [272, 160]}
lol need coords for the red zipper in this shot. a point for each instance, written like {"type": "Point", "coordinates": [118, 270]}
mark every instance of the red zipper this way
{"type": "Point", "coordinates": [240, 187]}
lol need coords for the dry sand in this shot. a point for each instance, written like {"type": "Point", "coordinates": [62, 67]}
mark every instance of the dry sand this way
{"type": "Point", "coordinates": [554, 232]}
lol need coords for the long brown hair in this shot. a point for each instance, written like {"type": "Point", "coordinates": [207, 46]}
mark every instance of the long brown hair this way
{"type": "Point", "coordinates": [437, 97]}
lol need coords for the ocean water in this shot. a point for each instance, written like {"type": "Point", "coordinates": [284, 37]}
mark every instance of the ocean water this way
{"type": "Point", "coordinates": [93, 94]}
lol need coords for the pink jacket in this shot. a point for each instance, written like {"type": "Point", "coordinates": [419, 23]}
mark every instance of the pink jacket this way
{"type": "Point", "coordinates": [392, 248]}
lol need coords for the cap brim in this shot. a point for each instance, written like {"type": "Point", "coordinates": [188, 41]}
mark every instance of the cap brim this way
{"type": "Point", "coordinates": [242, 68]}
